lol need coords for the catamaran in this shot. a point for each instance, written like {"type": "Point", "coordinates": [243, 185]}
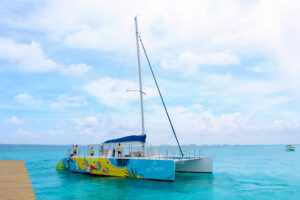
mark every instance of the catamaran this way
{"type": "Point", "coordinates": [138, 159]}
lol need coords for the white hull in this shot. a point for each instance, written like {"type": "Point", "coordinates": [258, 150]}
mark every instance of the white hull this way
{"type": "Point", "coordinates": [197, 165]}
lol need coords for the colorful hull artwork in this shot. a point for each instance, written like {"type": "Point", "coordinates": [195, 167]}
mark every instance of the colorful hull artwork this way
{"type": "Point", "coordinates": [132, 168]}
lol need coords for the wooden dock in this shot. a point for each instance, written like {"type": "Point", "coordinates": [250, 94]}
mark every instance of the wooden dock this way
{"type": "Point", "coordinates": [14, 181]}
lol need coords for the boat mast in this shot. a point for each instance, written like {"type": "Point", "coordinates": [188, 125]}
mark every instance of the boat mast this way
{"type": "Point", "coordinates": [140, 74]}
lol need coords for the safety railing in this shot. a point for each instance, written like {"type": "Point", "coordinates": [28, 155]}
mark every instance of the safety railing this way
{"type": "Point", "coordinates": [149, 152]}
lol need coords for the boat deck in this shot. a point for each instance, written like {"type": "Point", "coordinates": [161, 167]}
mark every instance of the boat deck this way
{"type": "Point", "coordinates": [14, 181]}
{"type": "Point", "coordinates": [175, 158]}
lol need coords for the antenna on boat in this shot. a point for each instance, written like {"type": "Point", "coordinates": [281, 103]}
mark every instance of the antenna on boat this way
{"type": "Point", "coordinates": [161, 97]}
{"type": "Point", "coordinates": [140, 74]}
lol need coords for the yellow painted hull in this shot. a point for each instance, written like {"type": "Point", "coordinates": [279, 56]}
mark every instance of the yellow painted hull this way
{"type": "Point", "coordinates": [133, 168]}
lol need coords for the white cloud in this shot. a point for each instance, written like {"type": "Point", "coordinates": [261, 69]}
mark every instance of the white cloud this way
{"type": "Point", "coordinates": [245, 95]}
{"type": "Point", "coordinates": [109, 125]}
{"type": "Point", "coordinates": [190, 61]}
{"type": "Point", "coordinates": [200, 24]}
{"type": "Point", "coordinates": [98, 24]}
{"type": "Point", "coordinates": [88, 125]}
{"type": "Point", "coordinates": [27, 134]}
{"type": "Point", "coordinates": [288, 48]}
{"type": "Point", "coordinates": [256, 88]}
{"type": "Point", "coordinates": [26, 99]}
{"type": "Point", "coordinates": [31, 58]}
{"type": "Point", "coordinates": [193, 125]}
{"type": "Point", "coordinates": [269, 102]}
{"type": "Point", "coordinates": [67, 101]}
{"type": "Point", "coordinates": [187, 35]}
{"type": "Point", "coordinates": [76, 69]}
{"type": "Point", "coordinates": [114, 92]}
{"type": "Point", "coordinates": [281, 125]}
{"type": "Point", "coordinates": [196, 125]}
{"type": "Point", "coordinates": [100, 38]}
{"type": "Point", "coordinates": [51, 132]}
{"type": "Point", "coordinates": [171, 28]}
{"type": "Point", "coordinates": [13, 121]}
{"type": "Point", "coordinates": [255, 69]}
{"type": "Point", "coordinates": [101, 25]}
{"type": "Point", "coordinates": [87, 121]}
{"type": "Point", "coordinates": [219, 78]}
{"type": "Point", "coordinates": [178, 31]}
{"type": "Point", "coordinates": [40, 134]}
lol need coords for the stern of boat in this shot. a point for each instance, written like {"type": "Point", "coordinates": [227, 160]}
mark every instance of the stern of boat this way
{"type": "Point", "coordinates": [197, 165]}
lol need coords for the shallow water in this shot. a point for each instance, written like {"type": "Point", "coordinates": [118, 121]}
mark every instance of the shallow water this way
{"type": "Point", "coordinates": [240, 172]}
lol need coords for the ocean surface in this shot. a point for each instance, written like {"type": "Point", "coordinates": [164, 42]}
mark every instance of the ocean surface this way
{"type": "Point", "coordinates": [240, 172]}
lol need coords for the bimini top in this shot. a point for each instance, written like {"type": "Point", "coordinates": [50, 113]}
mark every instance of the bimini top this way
{"type": "Point", "coordinates": [129, 139]}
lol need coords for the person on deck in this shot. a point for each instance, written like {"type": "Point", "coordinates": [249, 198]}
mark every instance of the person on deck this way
{"type": "Point", "coordinates": [74, 150]}
{"type": "Point", "coordinates": [102, 150]}
{"type": "Point", "coordinates": [92, 151]}
{"type": "Point", "coordinates": [114, 152]}
{"type": "Point", "coordinates": [120, 149]}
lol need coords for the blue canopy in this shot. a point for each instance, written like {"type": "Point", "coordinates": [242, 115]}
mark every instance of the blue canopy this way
{"type": "Point", "coordinates": [131, 138]}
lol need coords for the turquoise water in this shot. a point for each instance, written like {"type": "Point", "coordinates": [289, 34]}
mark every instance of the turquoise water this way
{"type": "Point", "coordinates": [240, 172]}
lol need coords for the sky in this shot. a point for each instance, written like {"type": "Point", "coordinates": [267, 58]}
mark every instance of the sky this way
{"type": "Point", "coordinates": [229, 71]}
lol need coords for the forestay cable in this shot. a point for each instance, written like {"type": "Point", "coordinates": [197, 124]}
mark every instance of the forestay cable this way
{"type": "Point", "coordinates": [173, 130]}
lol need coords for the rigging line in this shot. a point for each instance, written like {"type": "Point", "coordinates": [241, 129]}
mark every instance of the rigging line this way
{"type": "Point", "coordinates": [173, 130]}
{"type": "Point", "coordinates": [131, 46]}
